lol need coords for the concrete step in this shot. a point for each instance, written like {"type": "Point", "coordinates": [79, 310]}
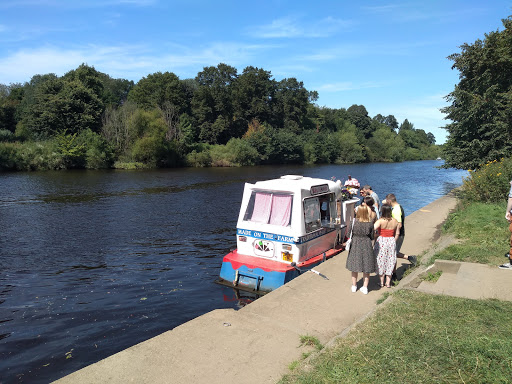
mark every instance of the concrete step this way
{"type": "Point", "coordinates": [469, 280]}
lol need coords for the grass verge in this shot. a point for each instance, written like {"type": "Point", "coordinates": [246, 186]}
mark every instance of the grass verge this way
{"type": "Point", "coordinates": [420, 338]}
{"type": "Point", "coordinates": [483, 232]}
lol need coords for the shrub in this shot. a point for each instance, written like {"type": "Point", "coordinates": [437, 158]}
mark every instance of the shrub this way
{"type": "Point", "coordinates": [6, 135]}
{"type": "Point", "coordinates": [489, 183]}
{"type": "Point", "coordinates": [98, 153]}
{"type": "Point", "coordinates": [221, 156]}
{"type": "Point", "coordinates": [9, 156]}
{"type": "Point", "coordinates": [242, 153]}
{"type": "Point", "coordinates": [41, 155]}
{"type": "Point", "coordinates": [129, 165]}
{"type": "Point", "coordinates": [30, 156]}
{"type": "Point", "coordinates": [149, 150]}
{"type": "Point", "coordinates": [198, 159]}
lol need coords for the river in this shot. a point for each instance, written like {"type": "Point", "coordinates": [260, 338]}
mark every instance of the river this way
{"type": "Point", "coordinates": [93, 262]}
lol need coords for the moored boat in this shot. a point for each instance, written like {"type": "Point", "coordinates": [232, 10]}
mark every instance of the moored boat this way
{"type": "Point", "coordinates": [286, 226]}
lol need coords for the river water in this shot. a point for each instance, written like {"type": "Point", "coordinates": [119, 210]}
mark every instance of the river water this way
{"type": "Point", "coordinates": [93, 262]}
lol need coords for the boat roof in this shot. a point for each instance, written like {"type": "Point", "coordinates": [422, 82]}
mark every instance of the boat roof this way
{"type": "Point", "coordinates": [292, 183]}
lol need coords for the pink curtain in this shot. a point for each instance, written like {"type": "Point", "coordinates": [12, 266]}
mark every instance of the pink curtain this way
{"type": "Point", "coordinates": [281, 210]}
{"type": "Point", "coordinates": [262, 205]}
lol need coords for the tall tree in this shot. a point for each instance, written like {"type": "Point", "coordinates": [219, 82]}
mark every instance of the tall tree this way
{"type": "Point", "coordinates": [406, 126]}
{"type": "Point", "coordinates": [158, 88]}
{"type": "Point", "coordinates": [212, 103]}
{"type": "Point", "coordinates": [290, 105]}
{"type": "Point", "coordinates": [481, 103]}
{"type": "Point", "coordinates": [253, 95]}
{"type": "Point", "coordinates": [391, 122]}
{"type": "Point", "coordinates": [10, 99]}
{"type": "Point", "coordinates": [358, 116]}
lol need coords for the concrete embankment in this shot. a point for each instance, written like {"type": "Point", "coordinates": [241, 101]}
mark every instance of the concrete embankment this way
{"type": "Point", "coordinates": [257, 343]}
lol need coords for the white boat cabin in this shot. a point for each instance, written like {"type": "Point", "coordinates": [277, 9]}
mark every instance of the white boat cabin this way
{"type": "Point", "coordinates": [292, 219]}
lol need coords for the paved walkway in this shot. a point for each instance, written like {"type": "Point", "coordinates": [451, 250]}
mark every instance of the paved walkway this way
{"type": "Point", "coordinates": [257, 343]}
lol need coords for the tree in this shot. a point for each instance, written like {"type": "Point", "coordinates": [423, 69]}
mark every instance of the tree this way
{"type": "Point", "coordinates": [481, 103]}
{"type": "Point", "coordinates": [65, 106]}
{"type": "Point", "coordinates": [158, 88]}
{"type": "Point", "coordinates": [358, 115]}
{"type": "Point", "coordinates": [406, 126]}
{"type": "Point", "coordinates": [386, 145]}
{"type": "Point", "coordinates": [290, 105]}
{"type": "Point", "coordinates": [391, 122]}
{"type": "Point", "coordinates": [431, 138]}
{"type": "Point", "coordinates": [252, 96]}
{"type": "Point", "coordinates": [115, 91]}
{"type": "Point", "coordinates": [212, 104]}
{"type": "Point", "coordinates": [10, 99]}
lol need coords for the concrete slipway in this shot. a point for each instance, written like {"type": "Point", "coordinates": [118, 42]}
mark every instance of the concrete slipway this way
{"type": "Point", "coordinates": [257, 343]}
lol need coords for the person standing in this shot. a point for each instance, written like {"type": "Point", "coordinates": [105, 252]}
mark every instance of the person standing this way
{"type": "Point", "coordinates": [508, 216]}
{"type": "Point", "coordinates": [360, 256]}
{"type": "Point", "coordinates": [399, 215]}
{"type": "Point", "coordinates": [369, 192]}
{"type": "Point", "coordinates": [385, 245]}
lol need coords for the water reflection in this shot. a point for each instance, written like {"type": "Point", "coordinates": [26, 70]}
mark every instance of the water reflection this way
{"type": "Point", "coordinates": [238, 297]}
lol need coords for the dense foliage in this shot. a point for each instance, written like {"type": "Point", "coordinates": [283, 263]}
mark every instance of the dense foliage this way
{"type": "Point", "coordinates": [86, 119]}
{"type": "Point", "coordinates": [481, 103]}
{"type": "Point", "coordinates": [489, 183]}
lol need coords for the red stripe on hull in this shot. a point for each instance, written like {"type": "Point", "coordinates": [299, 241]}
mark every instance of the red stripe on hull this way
{"type": "Point", "coordinates": [252, 262]}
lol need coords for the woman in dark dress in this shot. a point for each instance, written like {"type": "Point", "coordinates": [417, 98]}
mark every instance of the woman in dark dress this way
{"type": "Point", "coordinates": [360, 257]}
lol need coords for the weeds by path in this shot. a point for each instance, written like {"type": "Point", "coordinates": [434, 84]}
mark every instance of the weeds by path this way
{"type": "Point", "coordinates": [420, 338]}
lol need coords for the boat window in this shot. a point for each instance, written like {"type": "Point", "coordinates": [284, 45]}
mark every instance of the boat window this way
{"type": "Point", "coordinates": [325, 207]}
{"type": "Point", "coordinates": [318, 210]}
{"type": "Point", "coordinates": [269, 208]}
{"type": "Point", "coordinates": [312, 214]}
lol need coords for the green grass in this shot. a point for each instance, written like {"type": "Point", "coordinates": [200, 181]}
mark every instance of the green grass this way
{"type": "Point", "coordinates": [420, 338]}
{"type": "Point", "coordinates": [432, 277]}
{"type": "Point", "coordinates": [483, 232]}
{"type": "Point", "coordinates": [311, 341]}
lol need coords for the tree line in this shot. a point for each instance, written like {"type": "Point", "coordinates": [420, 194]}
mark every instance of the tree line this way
{"type": "Point", "coordinates": [481, 103]}
{"type": "Point", "coordinates": [87, 119]}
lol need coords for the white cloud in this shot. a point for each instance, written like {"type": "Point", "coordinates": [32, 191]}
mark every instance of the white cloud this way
{"type": "Point", "coordinates": [347, 86]}
{"type": "Point", "coordinates": [291, 27]}
{"type": "Point", "coordinates": [128, 61]}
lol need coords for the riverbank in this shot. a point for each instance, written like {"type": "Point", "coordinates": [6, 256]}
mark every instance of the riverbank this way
{"type": "Point", "coordinates": [258, 342]}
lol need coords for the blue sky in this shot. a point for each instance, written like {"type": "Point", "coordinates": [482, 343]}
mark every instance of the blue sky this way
{"type": "Point", "coordinates": [389, 56]}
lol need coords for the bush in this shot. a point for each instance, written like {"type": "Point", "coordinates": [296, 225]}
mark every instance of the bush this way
{"type": "Point", "coordinates": [221, 156]}
{"type": "Point", "coordinates": [9, 156]}
{"type": "Point", "coordinates": [129, 165]}
{"type": "Point", "coordinates": [98, 153]}
{"type": "Point", "coordinates": [30, 156]}
{"type": "Point", "coordinates": [199, 159]}
{"type": "Point", "coordinates": [489, 183]}
{"type": "Point", "coordinates": [6, 135]}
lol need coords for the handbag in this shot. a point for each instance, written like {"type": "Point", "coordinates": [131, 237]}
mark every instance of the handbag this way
{"type": "Point", "coordinates": [349, 241]}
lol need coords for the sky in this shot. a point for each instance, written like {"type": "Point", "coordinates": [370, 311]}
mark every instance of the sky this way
{"type": "Point", "coordinates": [390, 56]}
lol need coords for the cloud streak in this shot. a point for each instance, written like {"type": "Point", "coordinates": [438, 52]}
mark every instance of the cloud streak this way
{"type": "Point", "coordinates": [348, 86]}
{"type": "Point", "coordinates": [291, 27]}
{"type": "Point", "coordinates": [126, 61]}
